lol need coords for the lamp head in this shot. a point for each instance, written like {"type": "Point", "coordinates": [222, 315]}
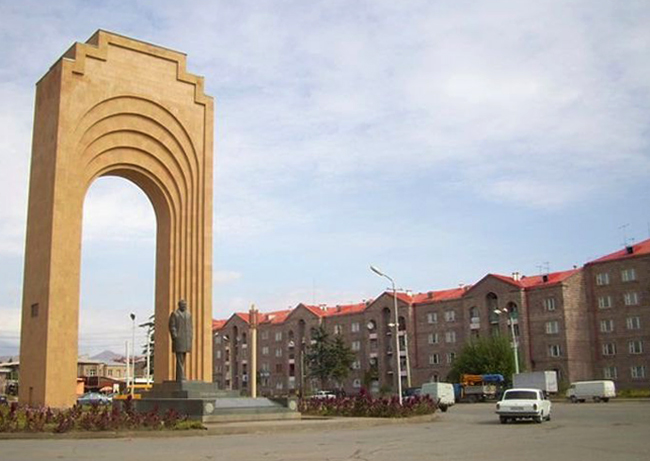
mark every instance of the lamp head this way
{"type": "Point", "coordinates": [377, 271]}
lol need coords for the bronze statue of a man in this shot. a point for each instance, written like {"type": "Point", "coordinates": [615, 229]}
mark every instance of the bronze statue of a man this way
{"type": "Point", "coordinates": [180, 328]}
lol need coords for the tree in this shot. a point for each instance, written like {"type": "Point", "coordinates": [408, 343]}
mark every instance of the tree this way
{"type": "Point", "coordinates": [328, 359]}
{"type": "Point", "coordinates": [484, 356]}
{"type": "Point", "coordinates": [342, 358]}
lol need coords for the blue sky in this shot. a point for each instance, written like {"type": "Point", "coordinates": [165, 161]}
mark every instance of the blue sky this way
{"type": "Point", "coordinates": [437, 140]}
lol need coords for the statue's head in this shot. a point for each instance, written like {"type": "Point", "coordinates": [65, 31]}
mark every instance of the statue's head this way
{"type": "Point", "coordinates": [182, 305]}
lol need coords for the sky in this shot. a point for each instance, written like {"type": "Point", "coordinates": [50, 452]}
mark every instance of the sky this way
{"type": "Point", "coordinates": [437, 140]}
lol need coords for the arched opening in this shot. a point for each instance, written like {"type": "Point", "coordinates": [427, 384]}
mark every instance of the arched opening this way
{"type": "Point", "coordinates": [492, 305]}
{"type": "Point", "coordinates": [117, 280]}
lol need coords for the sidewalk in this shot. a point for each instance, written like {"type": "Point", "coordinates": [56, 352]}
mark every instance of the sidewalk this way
{"type": "Point", "coordinates": [305, 424]}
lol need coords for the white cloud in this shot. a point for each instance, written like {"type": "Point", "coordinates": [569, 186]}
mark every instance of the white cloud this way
{"type": "Point", "coordinates": [225, 277]}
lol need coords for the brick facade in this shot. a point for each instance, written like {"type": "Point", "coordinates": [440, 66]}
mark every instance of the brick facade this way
{"type": "Point", "coordinates": [556, 318]}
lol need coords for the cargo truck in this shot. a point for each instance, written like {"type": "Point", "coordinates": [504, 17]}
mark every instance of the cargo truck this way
{"type": "Point", "coordinates": [543, 380]}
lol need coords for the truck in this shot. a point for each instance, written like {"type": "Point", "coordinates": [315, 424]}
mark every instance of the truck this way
{"type": "Point", "coordinates": [598, 391]}
{"type": "Point", "coordinates": [543, 380]}
{"type": "Point", "coordinates": [479, 388]}
{"type": "Point", "coordinates": [442, 393]}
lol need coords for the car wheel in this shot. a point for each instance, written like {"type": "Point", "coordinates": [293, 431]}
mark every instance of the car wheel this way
{"type": "Point", "coordinates": [548, 417]}
{"type": "Point", "coordinates": [573, 399]}
{"type": "Point", "coordinates": [503, 419]}
{"type": "Point", "coordinates": [539, 419]}
{"type": "Point", "coordinates": [444, 408]}
{"type": "Point", "coordinates": [605, 399]}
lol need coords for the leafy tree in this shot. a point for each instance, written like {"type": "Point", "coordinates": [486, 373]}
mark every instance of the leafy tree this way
{"type": "Point", "coordinates": [484, 356]}
{"type": "Point", "coordinates": [328, 358]}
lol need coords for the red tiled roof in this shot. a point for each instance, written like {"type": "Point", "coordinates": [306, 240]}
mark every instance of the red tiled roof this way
{"type": "Point", "coordinates": [244, 316]}
{"type": "Point", "coordinates": [641, 248]}
{"type": "Point", "coordinates": [274, 317]}
{"type": "Point", "coordinates": [345, 309]}
{"type": "Point", "coordinates": [218, 324]}
{"type": "Point", "coordinates": [440, 295]}
{"type": "Point", "coordinates": [536, 281]}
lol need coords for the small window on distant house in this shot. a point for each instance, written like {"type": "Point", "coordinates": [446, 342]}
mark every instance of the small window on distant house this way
{"type": "Point", "coordinates": [609, 349]}
{"type": "Point", "coordinates": [451, 356]}
{"type": "Point", "coordinates": [450, 316]}
{"type": "Point", "coordinates": [602, 279]}
{"type": "Point", "coordinates": [610, 373]}
{"type": "Point", "coordinates": [635, 347]}
{"type": "Point", "coordinates": [433, 338]}
{"type": "Point", "coordinates": [434, 359]}
{"type": "Point", "coordinates": [628, 275]}
{"type": "Point", "coordinates": [554, 350]}
{"type": "Point", "coordinates": [549, 304]}
{"type": "Point", "coordinates": [607, 326]}
{"type": "Point", "coordinates": [633, 323]}
{"type": "Point", "coordinates": [356, 345]}
{"type": "Point", "coordinates": [638, 372]}
{"type": "Point", "coordinates": [355, 327]}
{"type": "Point", "coordinates": [552, 327]}
{"type": "Point", "coordinates": [432, 317]}
{"type": "Point", "coordinates": [604, 302]}
{"type": "Point", "coordinates": [631, 298]}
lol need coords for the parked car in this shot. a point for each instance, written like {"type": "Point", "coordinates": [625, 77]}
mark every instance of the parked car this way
{"type": "Point", "coordinates": [94, 398]}
{"type": "Point", "coordinates": [411, 392]}
{"type": "Point", "coordinates": [442, 393]}
{"type": "Point", "coordinates": [591, 390]}
{"type": "Point", "coordinates": [323, 395]}
{"type": "Point", "coordinates": [524, 404]}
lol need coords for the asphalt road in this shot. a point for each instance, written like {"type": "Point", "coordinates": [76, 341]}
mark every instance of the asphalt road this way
{"type": "Point", "coordinates": [605, 431]}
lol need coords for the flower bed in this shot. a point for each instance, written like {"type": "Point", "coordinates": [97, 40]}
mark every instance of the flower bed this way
{"type": "Point", "coordinates": [18, 418]}
{"type": "Point", "coordinates": [364, 405]}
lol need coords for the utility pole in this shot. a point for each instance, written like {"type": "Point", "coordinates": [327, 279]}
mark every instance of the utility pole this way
{"type": "Point", "coordinates": [253, 320]}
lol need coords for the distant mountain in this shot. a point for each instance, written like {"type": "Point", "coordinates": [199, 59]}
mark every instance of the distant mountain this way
{"type": "Point", "coordinates": [107, 356]}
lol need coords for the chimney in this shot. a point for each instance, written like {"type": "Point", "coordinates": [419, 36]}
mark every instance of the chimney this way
{"type": "Point", "coordinates": [545, 278]}
{"type": "Point", "coordinates": [629, 249]}
{"type": "Point", "coordinates": [430, 294]}
{"type": "Point", "coordinates": [409, 293]}
{"type": "Point", "coordinates": [515, 276]}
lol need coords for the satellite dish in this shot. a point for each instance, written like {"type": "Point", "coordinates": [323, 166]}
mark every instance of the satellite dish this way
{"type": "Point", "coordinates": [371, 326]}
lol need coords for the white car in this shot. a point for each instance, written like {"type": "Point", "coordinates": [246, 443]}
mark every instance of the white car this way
{"type": "Point", "coordinates": [524, 404]}
{"type": "Point", "coordinates": [323, 395]}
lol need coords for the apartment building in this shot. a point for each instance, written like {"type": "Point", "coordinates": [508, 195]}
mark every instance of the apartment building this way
{"type": "Point", "coordinates": [586, 323]}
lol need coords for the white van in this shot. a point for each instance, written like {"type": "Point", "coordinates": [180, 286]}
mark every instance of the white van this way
{"type": "Point", "coordinates": [443, 393]}
{"type": "Point", "coordinates": [592, 390]}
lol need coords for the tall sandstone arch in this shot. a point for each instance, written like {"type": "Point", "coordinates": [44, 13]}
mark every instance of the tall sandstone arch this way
{"type": "Point", "coordinates": [114, 106]}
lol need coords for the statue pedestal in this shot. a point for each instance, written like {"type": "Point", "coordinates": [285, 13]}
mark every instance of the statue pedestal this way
{"type": "Point", "coordinates": [205, 402]}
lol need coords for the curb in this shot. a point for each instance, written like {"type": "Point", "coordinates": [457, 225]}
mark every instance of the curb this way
{"type": "Point", "coordinates": [239, 428]}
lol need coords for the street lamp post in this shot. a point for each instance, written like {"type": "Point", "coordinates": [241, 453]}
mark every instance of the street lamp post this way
{"type": "Point", "coordinates": [399, 365]}
{"type": "Point", "coordinates": [133, 354]}
{"type": "Point", "coordinates": [512, 331]}
{"type": "Point", "coordinates": [149, 326]}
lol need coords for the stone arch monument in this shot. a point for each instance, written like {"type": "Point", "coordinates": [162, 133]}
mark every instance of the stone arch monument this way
{"type": "Point", "coordinates": [114, 106]}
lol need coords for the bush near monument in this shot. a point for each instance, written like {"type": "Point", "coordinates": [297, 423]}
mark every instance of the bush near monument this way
{"type": "Point", "coordinates": [19, 418]}
{"type": "Point", "coordinates": [367, 406]}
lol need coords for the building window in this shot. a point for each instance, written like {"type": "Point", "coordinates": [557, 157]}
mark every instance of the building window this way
{"type": "Point", "coordinates": [265, 350]}
{"type": "Point", "coordinates": [434, 359]}
{"type": "Point", "coordinates": [432, 317]}
{"type": "Point", "coordinates": [356, 345]}
{"type": "Point", "coordinates": [549, 304]}
{"type": "Point", "coordinates": [633, 323]}
{"type": "Point", "coordinates": [604, 302]}
{"type": "Point", "coordinates": [628, 275]}
{"type": "Point", "coordinates": [355, 327]}
{"type": "Point", "coordinates": [110, 372]}
{"type": "Point", "coordinates": [552, 328]}
{"type": "Point", "coordinates": [433, 338]}
{"type": "Point", "coordinates": [265, 367]}
{"type": "Point", "coordinates": [264, 334]}
{"type": "Point", "coordinates": [217, 339]}
{"type": "Point", "coordinates": [450, 336]}
{"type": "Point", "coordinates": [278, 336]}
{"type": "Point", "coordinates": [356, 365]}
{"type": "Point", "coordinates": [606, 326]}
{"type": "Point", "coordinates": [451, 356]}
{"type": "Point", "coordinates": [610, 373]}
{"type": "Point", "coordinates": [278, 352]}
{"type": "Point", "coordinates": [338, 329]}
{"type": "Point", "coordinates": [554, 350]}
{"type": "Point", "coordinates": [92, 372]}
{"type": "Point", "coordinates": [278, 368]}
{"type": "Point", "coordinates": [635, 347]}
{"type": "Point", "coordinates": [218, 354]}
{"type": "Point", "coordinates": [609, 349]}
{"type": "Point", "coordinates": [279, 385]}
{"type": "Point", "coordinates": [356, 383]}
{"type": "Point", "coordinates": [638, 371]}
{"type": "Point", "coordinates": [602, 279]}
{"type": "Point", "coordinates": [631, 298]}
{"type": "Point", "coordinates": [450, 316]}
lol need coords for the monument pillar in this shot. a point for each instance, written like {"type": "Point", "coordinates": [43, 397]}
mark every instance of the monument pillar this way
{"type": "Point", "coordinates": [115, 106]}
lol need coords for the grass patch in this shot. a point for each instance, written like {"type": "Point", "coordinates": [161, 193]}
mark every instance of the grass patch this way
{"type": "Point", "coordinates": [634, 393]}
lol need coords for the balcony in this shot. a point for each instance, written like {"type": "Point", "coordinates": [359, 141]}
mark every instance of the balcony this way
{"type": "Point", "coordinates": [474, 324]}
{"type": "Point", "coordinates": [373, 355]}
{"type": "Point", "coordinates": [403, 373]}
{"type": "Point", "coordinates": [292, 361]}
{"type": "Point", "coordinates": [372, 336]}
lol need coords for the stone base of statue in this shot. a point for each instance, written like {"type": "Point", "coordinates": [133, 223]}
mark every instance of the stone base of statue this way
{"type": "Point", "coordinates": [205, 402]}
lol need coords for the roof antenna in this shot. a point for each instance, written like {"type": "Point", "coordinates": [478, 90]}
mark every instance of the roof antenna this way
{"type": "Point", "coordinates": [624, 229]}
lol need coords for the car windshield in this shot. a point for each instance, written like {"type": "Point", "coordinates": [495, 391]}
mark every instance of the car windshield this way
{"type": "Point", "coordinates": [520, 395]}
